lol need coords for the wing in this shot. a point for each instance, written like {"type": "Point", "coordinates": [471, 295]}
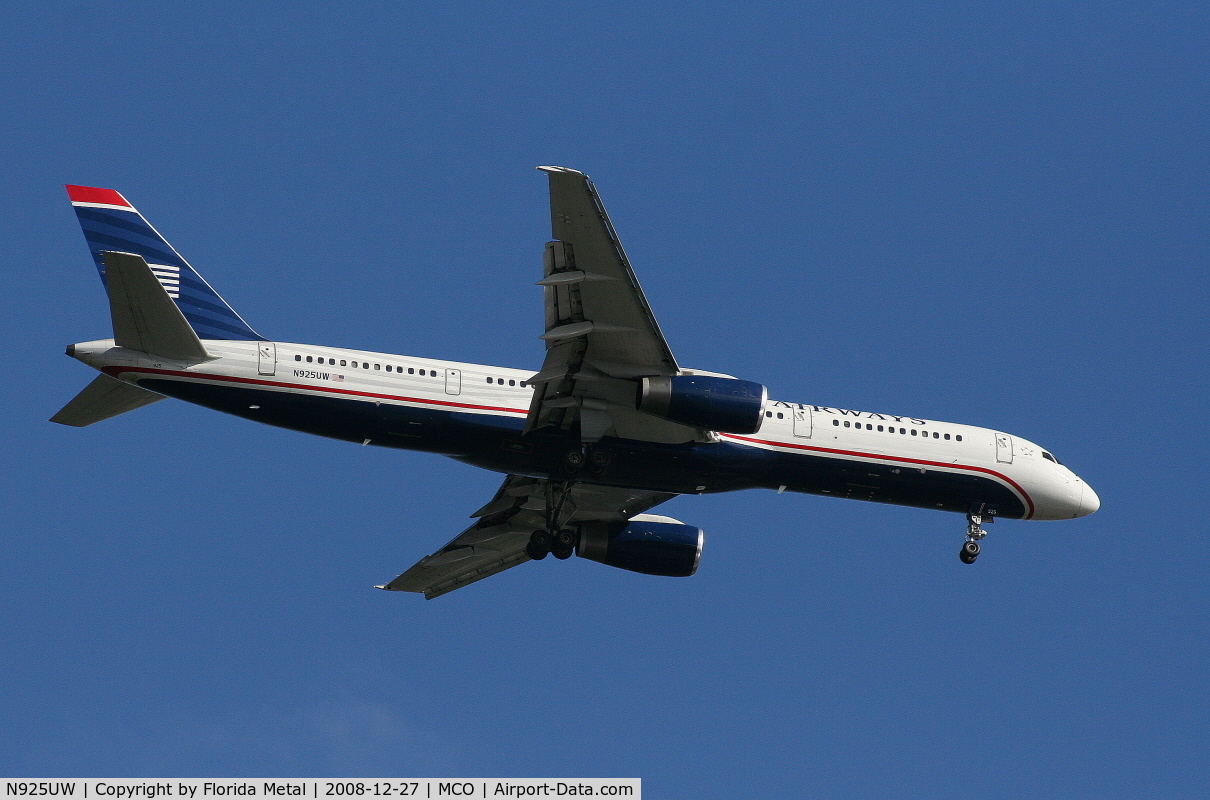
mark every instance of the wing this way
{"type": "Point", "coordinates": [600, 337]}
{"type": "Point", "coordinates": [600, 333]}
{"type": "Point", "coordinates": [497, 539]}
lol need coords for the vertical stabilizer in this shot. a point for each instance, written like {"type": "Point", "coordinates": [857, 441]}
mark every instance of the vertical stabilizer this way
{"type": "Point", "coordinates": [111, 223]}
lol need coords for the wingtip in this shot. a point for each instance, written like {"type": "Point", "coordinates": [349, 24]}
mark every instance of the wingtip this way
{"type": "Point", "coordinates": [560, 169]}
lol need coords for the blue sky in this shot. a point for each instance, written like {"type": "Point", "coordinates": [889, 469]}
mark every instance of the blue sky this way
{"type": "Point", "coordinates": [980, 212]}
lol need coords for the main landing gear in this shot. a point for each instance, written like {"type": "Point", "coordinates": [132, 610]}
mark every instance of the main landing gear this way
{"type": "Point", "coordinates": [974, 532]}
{"type": "Point", "coordinates": [561, 545]}
{"type": "Point", "coordinates": [555, 540]}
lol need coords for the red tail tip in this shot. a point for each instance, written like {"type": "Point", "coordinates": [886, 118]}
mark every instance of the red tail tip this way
{"type": "Point", "coordinates": [89, 194]}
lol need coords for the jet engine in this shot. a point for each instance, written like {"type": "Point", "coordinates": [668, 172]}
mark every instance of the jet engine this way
{"type": "Point", "coordinates": [702, 401]}
{"type": "Point", "coordinates": [647, 543]}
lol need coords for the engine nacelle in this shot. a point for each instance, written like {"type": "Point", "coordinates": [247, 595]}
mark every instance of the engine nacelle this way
{"type": "Point", "coordinates": [702, 401]}
{"type": "Point", "coordinates": [646, 544]}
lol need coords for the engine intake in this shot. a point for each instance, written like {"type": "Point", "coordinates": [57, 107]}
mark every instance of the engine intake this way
{"type": "Point", "coordinates": [671, 549]}
{"type": "Point", "coordinates": [701, 401]}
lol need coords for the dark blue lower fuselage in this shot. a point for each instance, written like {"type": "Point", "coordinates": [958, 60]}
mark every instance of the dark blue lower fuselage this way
{"type": "Point", "coordinates": [495, 442]}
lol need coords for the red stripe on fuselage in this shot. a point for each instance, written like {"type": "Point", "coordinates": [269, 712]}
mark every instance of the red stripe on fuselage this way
{"type": "Point", "coordinates": [900, 459]}
{"type": "Point", "coordinates": [115, 371]}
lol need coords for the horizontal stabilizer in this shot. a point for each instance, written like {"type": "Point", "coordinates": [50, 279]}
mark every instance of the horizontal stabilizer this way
{"type": "Point", "coordinates": [105, 397]}
{"type": "Point", "coordinates": [144, 317]}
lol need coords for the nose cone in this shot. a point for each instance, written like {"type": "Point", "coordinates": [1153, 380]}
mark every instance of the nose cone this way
{"type": "Point", "coordinates": [1089, 502]}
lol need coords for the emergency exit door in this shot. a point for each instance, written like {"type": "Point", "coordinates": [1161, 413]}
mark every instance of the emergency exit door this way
{"type": "Point", "coordinates": [453, 381]}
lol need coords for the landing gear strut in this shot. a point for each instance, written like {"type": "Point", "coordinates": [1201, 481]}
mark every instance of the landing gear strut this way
{"type": "Point", "coordinates": [553, 540]}
{"type": "Point", "coordinates": [974, 532]}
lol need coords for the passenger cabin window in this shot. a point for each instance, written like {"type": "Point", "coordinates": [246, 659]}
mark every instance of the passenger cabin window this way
{"type": "Point", "coordinates": [298, 358]}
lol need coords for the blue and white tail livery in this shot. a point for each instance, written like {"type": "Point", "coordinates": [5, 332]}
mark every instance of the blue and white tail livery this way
{"type": "Point", "coordinates": [608, 428]}
{"type": "Point", "coordinates": [111, 223]}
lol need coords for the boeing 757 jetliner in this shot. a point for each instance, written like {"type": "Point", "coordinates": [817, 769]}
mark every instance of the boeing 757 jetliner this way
{"type": "Point", "coordinates": [609, 428]}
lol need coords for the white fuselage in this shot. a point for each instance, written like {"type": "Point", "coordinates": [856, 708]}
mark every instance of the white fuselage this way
{"type": "Point", "coordinates": [888, 449]}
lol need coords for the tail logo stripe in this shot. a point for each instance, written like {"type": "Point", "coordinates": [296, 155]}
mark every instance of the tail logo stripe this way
{"type": "Point", "coordinates": [169, 277]}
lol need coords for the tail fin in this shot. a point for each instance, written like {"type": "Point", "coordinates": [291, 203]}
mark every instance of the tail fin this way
{"type": "Point", "coordinates": [111, 223]}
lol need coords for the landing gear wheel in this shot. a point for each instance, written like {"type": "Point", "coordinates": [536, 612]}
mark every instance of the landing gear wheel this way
{"type": "Point", "coordinates": [564, 544]}
{"type": "Point", "coordinates": [598, 460]}
{"type": "Point", "coordinates": [539, 545]}
{"type": "Point", "coordinates": [969, 552]}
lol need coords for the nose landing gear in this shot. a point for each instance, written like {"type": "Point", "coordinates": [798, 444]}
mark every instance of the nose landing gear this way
{"type": "Point", "coordinates": [974, 532]}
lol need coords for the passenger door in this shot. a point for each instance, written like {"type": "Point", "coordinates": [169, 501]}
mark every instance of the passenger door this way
{"type": "Point", "coordinates": [802, 422]}
{"type": "Point", "coordinates": [1004, 448]}
{"type": "Point", "coordinates": [453, 381]}
{"type": "Point", "coordinates": [266, 359]}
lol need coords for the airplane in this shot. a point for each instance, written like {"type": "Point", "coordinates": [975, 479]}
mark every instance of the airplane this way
{"type": "Point", "coordinates": [610, 427]}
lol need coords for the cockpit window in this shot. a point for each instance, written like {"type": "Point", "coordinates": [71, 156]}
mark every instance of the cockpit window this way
{"type": "Point", "coordinates": [1049, 457]}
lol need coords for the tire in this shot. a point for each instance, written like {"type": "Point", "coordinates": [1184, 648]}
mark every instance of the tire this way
{"type": "Point", "coordinates": [539, 545]}
{"type": "Point", "coordinates": [564, 544]}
